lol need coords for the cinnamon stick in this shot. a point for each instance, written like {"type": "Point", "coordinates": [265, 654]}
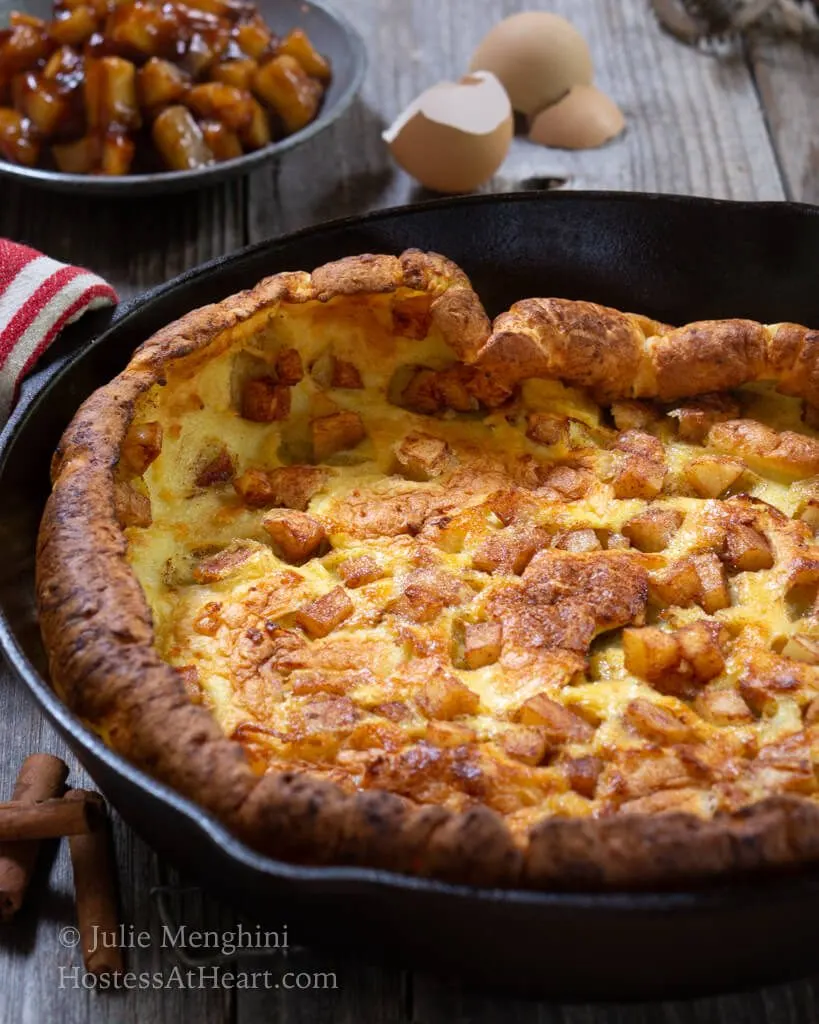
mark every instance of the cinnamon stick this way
{"type": "Point", "coordinates": [41, 777]}
{"type": "Point", "coordinates": [20, 820]}
{"type": "Point", "coordinates": [95, 890]}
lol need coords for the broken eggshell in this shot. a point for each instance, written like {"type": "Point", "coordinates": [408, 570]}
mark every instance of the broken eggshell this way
{"type": "Point", "coordinates": [584, 119]}
{"type": "Point", "coordinates": [537, 56]}
{"type": "Point", "coordinates": [455, 135]}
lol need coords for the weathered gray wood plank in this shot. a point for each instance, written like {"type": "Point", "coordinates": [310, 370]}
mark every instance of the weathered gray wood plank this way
{"type": "Point", "coordinates": [695, 124]}
{"type": "Point", "coordinates": [136, 243]}
{"type": "Point", "coordinates": [787, 73]}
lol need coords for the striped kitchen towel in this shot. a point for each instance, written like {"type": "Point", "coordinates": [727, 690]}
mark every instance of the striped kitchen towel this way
{"type": "Point", "coordinates": [38, 297]}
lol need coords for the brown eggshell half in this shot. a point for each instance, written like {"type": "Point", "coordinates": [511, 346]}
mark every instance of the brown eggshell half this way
{"type": "Point", "coordinates": [537, 56]}
{"type": "Point", "coordinates": [584, 119]}
{"type": "Point", "coordinates": [455, 135]}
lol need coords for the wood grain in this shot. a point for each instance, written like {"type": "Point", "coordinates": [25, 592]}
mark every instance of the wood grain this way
{"type": "Point", "coordinates": [696, 124]}
{"type": "Point", "coordinates": [787, 74]}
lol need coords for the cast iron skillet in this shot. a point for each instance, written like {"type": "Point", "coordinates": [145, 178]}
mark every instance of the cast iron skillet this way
{"type": "Point", "coordinates": [672, 258]}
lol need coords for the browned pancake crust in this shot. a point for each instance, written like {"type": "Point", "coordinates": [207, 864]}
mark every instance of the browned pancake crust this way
{"type": "Point", "coordinates": [98, 631]}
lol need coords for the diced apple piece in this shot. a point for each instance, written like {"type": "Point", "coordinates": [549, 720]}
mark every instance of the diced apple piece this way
{"type": "Point", "coordinates": [322, 616]}
{"type": "Point", "coordinates": [633, 415]}
{"type": "Point", "coordinates": [655, 722]}
{"type": "Point", "coordinates": [509, 551]}
{"type": "Point", "coordinates": [653, 529]}
{"type": "Point", "coordinates": [160, 83]}
{"type": "Point", "coordinates": [422, 456]}
{"type": "Point", "coordinates": [712, 475]}
{"type": "Point", "coordinates": [701, 645]}
{"type": "Point", "coordinates": [298, 535]}
{"type": "Point", "coordinates": [526, 743]}
{"type": "Point", "coordinates": [560, 723]}
{"type": "Point", "coordinates": [786, 452]}
{"type": "Point", "coordinates": [297, 44]}
{"type": "Point", "coordinates": [722, 707]}
{"type": "Point", "coordinates": [289, 367]}
{"type": "Point", "coordinates": [547, 429]}
{"type": "Point", "coordinates": [445, 697]}
{"type": "Point", "coordinates": [649, 652]}
{"type": "Point", "coordinates": [335, 433]}
{"type": "Point", "coordinates": [714, 593]}
{"type": "Point", "coordinates": [802, 647]}
{"type": "Point", "coordinates": [746, 550]}
{"type": "Point", "coordinates": [677, 585]}
{"type": "Point", "coordinates": [569, 482]}
{"type": "Point", "coordinates": [477, 643]}
{"type": "Point", "coordinates": [265, 401]}
{"type": "Point", "coordinates": [449, 734]}
{"type": "Point", "coordinates": [582, 774]}
{"type": "Point", "coordinates": [142, 446]}
{"type": "Point", "coordinates": [223, 564]}
{"type": "Point", "coordinates": [697, 416]}
{"type": "Point", "coordinates": [294, 486]}
{"type": "Point", "coordinates": [345, 375]}
{"type": "Point", "coordinates": [254, 488]}
{"type": "Point", "coordinates": [217, 470]}
{"type": "Point", "coordinates": [638, 477]}
{"type": "Point", "coordinates": [578, 541]}
{"type": "Point", "coordinates": [256, 133]}
{"type": "Point", "coordinates": [360, 570]}
{"type": "Point", "coordinates": [283, 84]}
{"type": "Point", "coordinates": [287, 486]}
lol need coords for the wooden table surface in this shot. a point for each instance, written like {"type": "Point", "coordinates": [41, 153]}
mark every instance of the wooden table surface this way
{"type": "Point", "coordinates": [741, 126]}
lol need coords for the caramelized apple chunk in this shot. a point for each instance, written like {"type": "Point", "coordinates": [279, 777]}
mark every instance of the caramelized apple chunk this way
{"type": "Point", "coordinates": [784, 452]}
{"type": "Point", "coordinates": [289, 368]}
{"type": "Point", "coordinates": [421, 456]}
{"type": "Point", "coordinates": [655, 723]}
{"type": "Point", "coordinates": [746, 550]}
{"type": "Point", "coordinates": [578, 541]}
{"type": "Point", "coordinates": [525, 743]}
{"type": "Point", "coordinates": [714, 593]}
{"type": "Point", "coordinates": [676, 663]}
{"type": "Point", "coordinates": [445, 697]}
{"type": "Point", "coordinates": [265, 401]}
{"type": "Point", "coordinates": [336, 432]}
{"type": "Point", "coordinates": [722, 706]}
{"type": "Point", "coordinates": [675, 585]}
{"type": "Point", "coordinates": [141, 447]}
{"type": "Point", "coordinates": [320, 617]}
{"type": "Point", "coordinates": [653, 529]}
{"type": "Point", "coordinates": [286, 486]}
{"type": "Point", "coordinates": [711, 475]}
{"type": "Point", "coordinates": [696, 416]}
{"type": "Point", "coordinates": [477, 644]}
{"type": "Point", "coordinates": [547, 429]}
{"type": "Point", "coordinates": [509, 551]}
{"type": "Point", "coordinates": [297, 535]}
{"type": "Point", "coordinates": [360, 570]}
{"type": "Point", "coordinates": [561, 725]}
{"type": "Point", "coordinates": [217, 470]}
{"type": "Point", "coordinates": [649, 652]}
